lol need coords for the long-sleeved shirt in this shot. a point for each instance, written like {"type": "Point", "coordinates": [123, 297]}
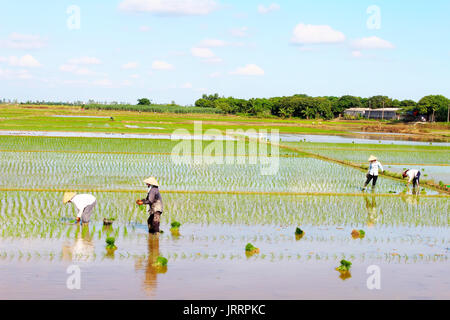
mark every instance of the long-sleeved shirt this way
{"type": "Point", "coordinates": [81, 201]}
{"type": "Point", "coordinates": [154, 200]}
{"type": "Point", "coordinates": [412, 174]}
{"type": "Point", "coordinates": [374, 167]}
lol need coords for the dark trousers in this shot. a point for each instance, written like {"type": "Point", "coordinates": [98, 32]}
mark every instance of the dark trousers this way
{"type": "Point", "coordinates": [371, 177]}
{"type": "Point", "coordinates": [153, 222]}
{"type": "Point", "coordinates": [416, 180]}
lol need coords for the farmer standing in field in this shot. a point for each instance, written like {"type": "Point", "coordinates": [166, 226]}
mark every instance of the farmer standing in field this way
{"type": "Point", "coordinates": [155, 204]}
{"type": "Point", "coordinates": [413, 177]}
{"type": "Point", "coordinates": [84, 203]}
{"type": "Point", "coordinates": [374, 167]}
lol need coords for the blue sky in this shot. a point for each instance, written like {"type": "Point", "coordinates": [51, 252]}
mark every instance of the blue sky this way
{"type": "Point", "coordinates": [176, 50]}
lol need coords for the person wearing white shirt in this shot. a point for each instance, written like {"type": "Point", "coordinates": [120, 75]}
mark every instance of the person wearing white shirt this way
{"type": "Point", "coordinates": [85, 204]}
{"type": "Point", "coordinates": [374, 167]}
{"type": "Point", "coordinates": [413, 177]}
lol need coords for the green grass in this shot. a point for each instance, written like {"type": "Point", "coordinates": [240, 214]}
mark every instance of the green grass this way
{"type": "Point", "coordinates": [152, 108]}
{"type": "Point", "coordinates": [15, 118]}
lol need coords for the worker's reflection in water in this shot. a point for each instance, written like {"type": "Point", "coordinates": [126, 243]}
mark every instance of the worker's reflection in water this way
{"type": "Point", "coordinates": [411, 198]}
{"type": "Point", "coordinates": [373, 215]}
{"type": "Point", "coordinates": [82, 248]}
{"type": "Point", "coordinates": [146, 264]}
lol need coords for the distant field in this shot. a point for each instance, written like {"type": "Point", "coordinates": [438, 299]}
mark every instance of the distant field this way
{"type": "Point", "coordinates": [51, 118]}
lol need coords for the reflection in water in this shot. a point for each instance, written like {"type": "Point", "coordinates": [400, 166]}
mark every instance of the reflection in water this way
{"type": "Point", "coordinates": [344, 275]}
{"type": "Point", "coordinates": [82, 248]}
{"type": "Point", "coordinates": [411, 198]}
{"type": "Point", "coordinates": [146, 264]}
{"type": "Point", "coordinates": [372, 212]}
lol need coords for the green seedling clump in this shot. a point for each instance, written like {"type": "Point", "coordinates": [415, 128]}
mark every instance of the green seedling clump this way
{"type": "Point", "coordinates": [110, 243]}
{"type": "Point", "coordinates": [358, 234]}
{"type": "Point", "coordinates": [160, 262]}
{"type": "Point", "coordinates": [175, 227]}
{"type": "Point", "coordinates": [299, 233]}
{"type": "Point", "coordinates": [345, 266]}
{"type": "Point", "coordinates": [175, 224]}
{"type": "Point", "coordinates": [251, 249]}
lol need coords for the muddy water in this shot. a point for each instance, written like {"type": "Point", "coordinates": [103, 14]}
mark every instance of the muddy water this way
{"type": "Point", "coordinates": [413, 264]}
{"type": "Point", "coordinates": [221, 280]}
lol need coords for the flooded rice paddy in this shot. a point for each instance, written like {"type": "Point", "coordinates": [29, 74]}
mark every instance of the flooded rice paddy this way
{"type": "Point", "coordinates": [221, 208]}
{"type": "Point", "coordinates": [355, 137]}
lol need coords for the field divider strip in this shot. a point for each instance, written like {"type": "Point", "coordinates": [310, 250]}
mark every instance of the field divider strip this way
{"type": "Point", "coordinates": [140, 153]}
{"type": "Point", "coordinates": [414, 164]}
{"type": "Point", "coordinates": [282, 193]}
{"type": "Point", "coordinates": [375, 150]}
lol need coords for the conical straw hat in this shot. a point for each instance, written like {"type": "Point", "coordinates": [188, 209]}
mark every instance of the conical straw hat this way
{"type": "Point", "coordinates": [152, 181]}
{"type": "Point", "coordinates": [372, 158]}
{"type": "Point", "coordinates": [68, 196]}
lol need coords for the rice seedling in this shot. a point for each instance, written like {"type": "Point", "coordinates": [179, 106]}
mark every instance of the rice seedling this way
{"type": "Point", "coordinates": [250, 250]}
{"type": "Point", "coordinates": [175, 228]}
{"type": "Point", "coordinates": [110, 243]}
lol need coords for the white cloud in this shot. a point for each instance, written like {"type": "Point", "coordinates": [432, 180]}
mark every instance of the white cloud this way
{"type": "Point", "coordinates": [144, 28]}
{"type": "Point", "coordinates": [249, 70]}
{"type": "Point", "coordinates": [211, 43]}
{"type": "Point", "coordinates": [134, 76]}
{"type": "Point", "coordinates": [162, 65]}
{"type": "Point", "coordinates": [103, 83]}
{"type": "Point", "coordinates": [215, 75]}
{"type": "Point", "coordinates": [85, 60]}
{"type": "Point", "coordinates": [273, 7]}
{"type": "Point", "coordinates": [24, 41]}
{"type": "Point", "coordinates": [76, 66]}
{"type": "Point", "coordinates": [130, 65]}
{"type": "Point", "coordinates": [22, 74]}
{"type": "Point", "coordinates": [75, 82]}
{"type": "Point", "coordinates": [205, 54]}
{"type": "Point", "coordinates": [356, 54]}
{"type": "Point", "coordinates": [214, 60]}
{"type": "Point", "coordinates": [77, 70]}
{"type": "Point", "coordinates": [26, 61]}
{"type": "Point", "coordinates": [186, 85]}
{"type": "Point", "coordinates": [239, 32]}
{"type": "Point", "coordinates": [202, 53]}
{"type": "Point", "coordinates": [316, 34]}
{"type": "Point", "coordinates": [372, 43]}
{"type": "Point", "coordinates": [169, 7]}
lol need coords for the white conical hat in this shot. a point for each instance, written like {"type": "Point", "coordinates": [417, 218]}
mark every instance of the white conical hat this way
{"type": "Point", "coordinates": [372, 158]}
{"type": "Point", "coordinates": [68, 196]}
{"type": "Point", "coordinates": [152, 181]}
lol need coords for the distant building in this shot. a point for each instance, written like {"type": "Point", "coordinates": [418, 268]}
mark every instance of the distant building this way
{"type": "Point", "coordinates": [380, 114]}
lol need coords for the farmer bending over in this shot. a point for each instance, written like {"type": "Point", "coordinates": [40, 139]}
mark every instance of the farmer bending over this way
{"type": "Point", "coordinates": [413, 175]}
{"type": "Point", "coordinates": [155, 204]}
{"type": "Point", "coordinates": [84, 203]}
{"type": "Point", "coordinates": [374, 166]}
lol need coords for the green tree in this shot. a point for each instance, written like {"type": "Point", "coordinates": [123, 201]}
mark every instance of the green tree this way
{"type": "Point", "coordinates": [211, 97]}
{"type": "Point", "coordinates": [434, 106]}
{"type": "Point", "coordinates": [345, 102]}
{"type": "Point", "coordinates": [377, 102]}
{"type": "Point", "coordinates": [407, 103]}
{"type": "Point", "coordinates": [144, 102]}
{"type": "Point", "coordinates": [203, 103]}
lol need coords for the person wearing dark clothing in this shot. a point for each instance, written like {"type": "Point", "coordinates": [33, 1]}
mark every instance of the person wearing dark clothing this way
{"type": "Point", "coordinates": [155, 204]}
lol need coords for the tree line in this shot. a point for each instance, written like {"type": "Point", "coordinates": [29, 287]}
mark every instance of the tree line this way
{"type": "Point", "coordinates": [327, 107]}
